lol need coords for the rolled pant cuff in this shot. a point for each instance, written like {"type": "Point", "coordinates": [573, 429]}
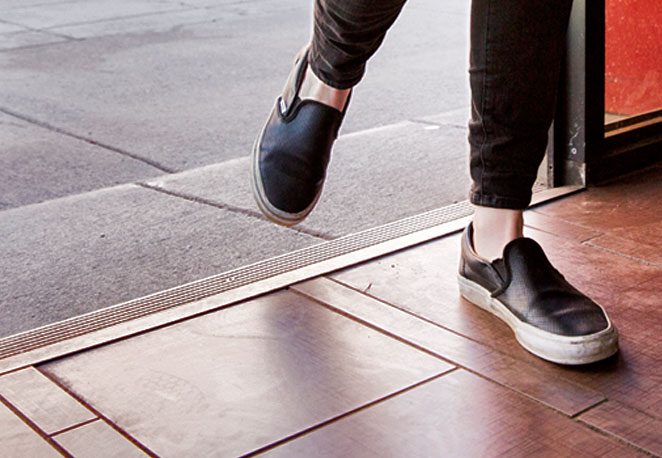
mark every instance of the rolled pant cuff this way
{"type": "Point", "coordinates": [486, 200]}
{"type": "Point", "coordinates": [341, 82]}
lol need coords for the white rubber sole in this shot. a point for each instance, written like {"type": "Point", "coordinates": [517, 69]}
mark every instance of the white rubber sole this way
{"type": "Point", "coordinates": [546, 345]}
{"type": "Point", "coordinates": [272, 213]}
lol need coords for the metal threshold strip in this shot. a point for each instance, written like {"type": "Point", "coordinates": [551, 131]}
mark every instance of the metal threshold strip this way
{"type": "Point", "coordinates": [218, 291]}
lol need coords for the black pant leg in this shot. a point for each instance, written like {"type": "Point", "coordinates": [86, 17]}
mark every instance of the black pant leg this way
{"type": "Point", "coordinates": [516, 51]}
{"type": "Point", "coordinates": [346, 34]}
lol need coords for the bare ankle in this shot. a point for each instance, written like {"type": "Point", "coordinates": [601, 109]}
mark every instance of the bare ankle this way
{"type": "Point", "coordinates": [315, 89]}
{"type": "Point", "coordinates": [494, 228]}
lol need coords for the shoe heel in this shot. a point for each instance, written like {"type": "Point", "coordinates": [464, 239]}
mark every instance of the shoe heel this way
{"type": "Point", "coordinates": [474, 294]}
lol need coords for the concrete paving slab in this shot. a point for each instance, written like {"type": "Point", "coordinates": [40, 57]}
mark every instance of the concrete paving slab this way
{"type": "Point", "coordinates": [374, 177]}
{"type": "Point", "coordinates": [80, 253]}
{"type": "Point", "coordinates": [168, 20]}
{"type": "Point", "coordinates": [187, 95]}
{"type": "Point", "coordinates": [46, 15]}
{"type": "Point", "coordinates": [37, 164]}
{"type": "Point", "coordinates": [421, 68]}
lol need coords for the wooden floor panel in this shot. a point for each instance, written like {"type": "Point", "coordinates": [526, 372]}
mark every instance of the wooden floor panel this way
{"type": "Point", "coordinates": [97, 440]}
{"type": "Point", "coordinates": [363, 362]}
{"type": "Point", "coordinates": [644, 243]}
{"type": "Point", "coordinates": [19, 440]}
{"type": "Point", "coordinates": [423, 281]}
{"type": "Point", "coordinates": [632, 425]}
{"type": "Point", "coordinates": [41, 401]}
{"type": "Point", "coordinates": [234, 381]}
{"type": "Point", "coordinates": [610, 251]}
{"type": "Point", "coordinates": [626, 213]}
{"type": "Point", "coordinates": [563, 395]}
{"type": "Point", "coordinates": [624, 205]}
{"type": "Point", "coordinates": [457, 415]}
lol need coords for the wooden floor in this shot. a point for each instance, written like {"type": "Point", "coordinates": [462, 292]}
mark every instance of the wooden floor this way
{"type": "Point", "coordinates": [381, 359]}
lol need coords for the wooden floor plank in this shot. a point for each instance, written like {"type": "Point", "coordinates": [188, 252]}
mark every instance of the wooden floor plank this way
{"type": "Point", "coordinates": [629, 424]}
{"type": "Point", "coordinates": [97, 440]}
{"type": "Point", "coordinates": [559, 227]}
{"type": "Point", "coordinates": [563, 395]}
{"type": "Point", "coordinates": [458, 415]}
{"type": "Point", "coordinates": [422, 281]}
{"type": "Point", "coordinates": [643, 243]}
{"type": "Point", "coordinates": [233, 381]}
{"type": "Point", "coordinates": [42, 401]}
{"type": "Point", "coordinates": [626, 213]}
{"type": "Point", "coordinates": [628, 203]}
{"type": "Point", "coordinates": [18, 440]}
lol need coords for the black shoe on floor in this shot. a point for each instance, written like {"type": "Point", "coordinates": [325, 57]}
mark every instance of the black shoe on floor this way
{"type": "Point", "coordinates": [291, 154]}
{"type": "Point", "coordinates": [550, 317]}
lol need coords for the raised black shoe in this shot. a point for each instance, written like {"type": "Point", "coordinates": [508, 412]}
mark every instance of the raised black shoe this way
{"type": "Point", "coordinates": [292, 152]}
{"type": "Point", "coordinates": [550, 317]}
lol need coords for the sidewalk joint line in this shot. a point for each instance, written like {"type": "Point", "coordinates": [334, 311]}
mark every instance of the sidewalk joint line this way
{"type": "Point", "coordinates": [233, 209]}
{"type": "Point", "coordinates": [120, 18]}
{"type": "Point", "coordinates": [91, 141]}
{"type": "Point", "coordinates": [35, 29]}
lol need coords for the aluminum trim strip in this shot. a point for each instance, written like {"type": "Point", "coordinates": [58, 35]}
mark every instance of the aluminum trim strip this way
{"type": "Point", "coordinates": [211, 293]}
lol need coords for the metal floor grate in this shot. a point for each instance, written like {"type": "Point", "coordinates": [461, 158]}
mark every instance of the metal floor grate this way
{"type": "Point", "coordinates": [216, 284]}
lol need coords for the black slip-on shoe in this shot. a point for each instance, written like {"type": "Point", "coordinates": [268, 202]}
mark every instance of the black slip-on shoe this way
{"type": "Point", "coordinates": [291, 154]}
{"type": "Point", "coordinates": [550, 317]}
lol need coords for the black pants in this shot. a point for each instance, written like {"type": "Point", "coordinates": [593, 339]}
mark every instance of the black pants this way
{"type": "Point", "coordinates": [514, 65]}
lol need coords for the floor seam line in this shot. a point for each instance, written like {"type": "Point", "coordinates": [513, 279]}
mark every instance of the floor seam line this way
{"type": "Point", "coordinates": [376, 328]}
{"type": "Point", "coordinates": [583, 411]}
{"type": "Point", "coordinates": [52, 128]}
{"type": "Point", "coordinates": [232, 209]}
{"type": "Point", "coordinates": [427, 320]}
{"type": "Point", "coordinates": [386, 332]}
{"type": "Point", "coordinates": [100, 416]}
{"type": "Point", "coordinates": [32, 425]}
{"type": "Point", "coordinates": [72, 427]}
{"type": "Point", "coordinates": [613, 436]}
{"type": "Point", "coordinates": [622, 255]}
{"type": "Point", "coordinates": [349, 413]}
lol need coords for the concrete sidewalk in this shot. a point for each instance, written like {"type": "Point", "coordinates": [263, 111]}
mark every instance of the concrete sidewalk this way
{"type": "Point", "coordinates": [125, 128]}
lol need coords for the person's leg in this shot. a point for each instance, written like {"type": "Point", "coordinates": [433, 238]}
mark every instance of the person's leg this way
{"type": "Point", "coordinates": [291, 153]}
{"type": "Point", "coordinates": [345, 35]}
{"type": "Point", "coordinates": [516, 52]}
